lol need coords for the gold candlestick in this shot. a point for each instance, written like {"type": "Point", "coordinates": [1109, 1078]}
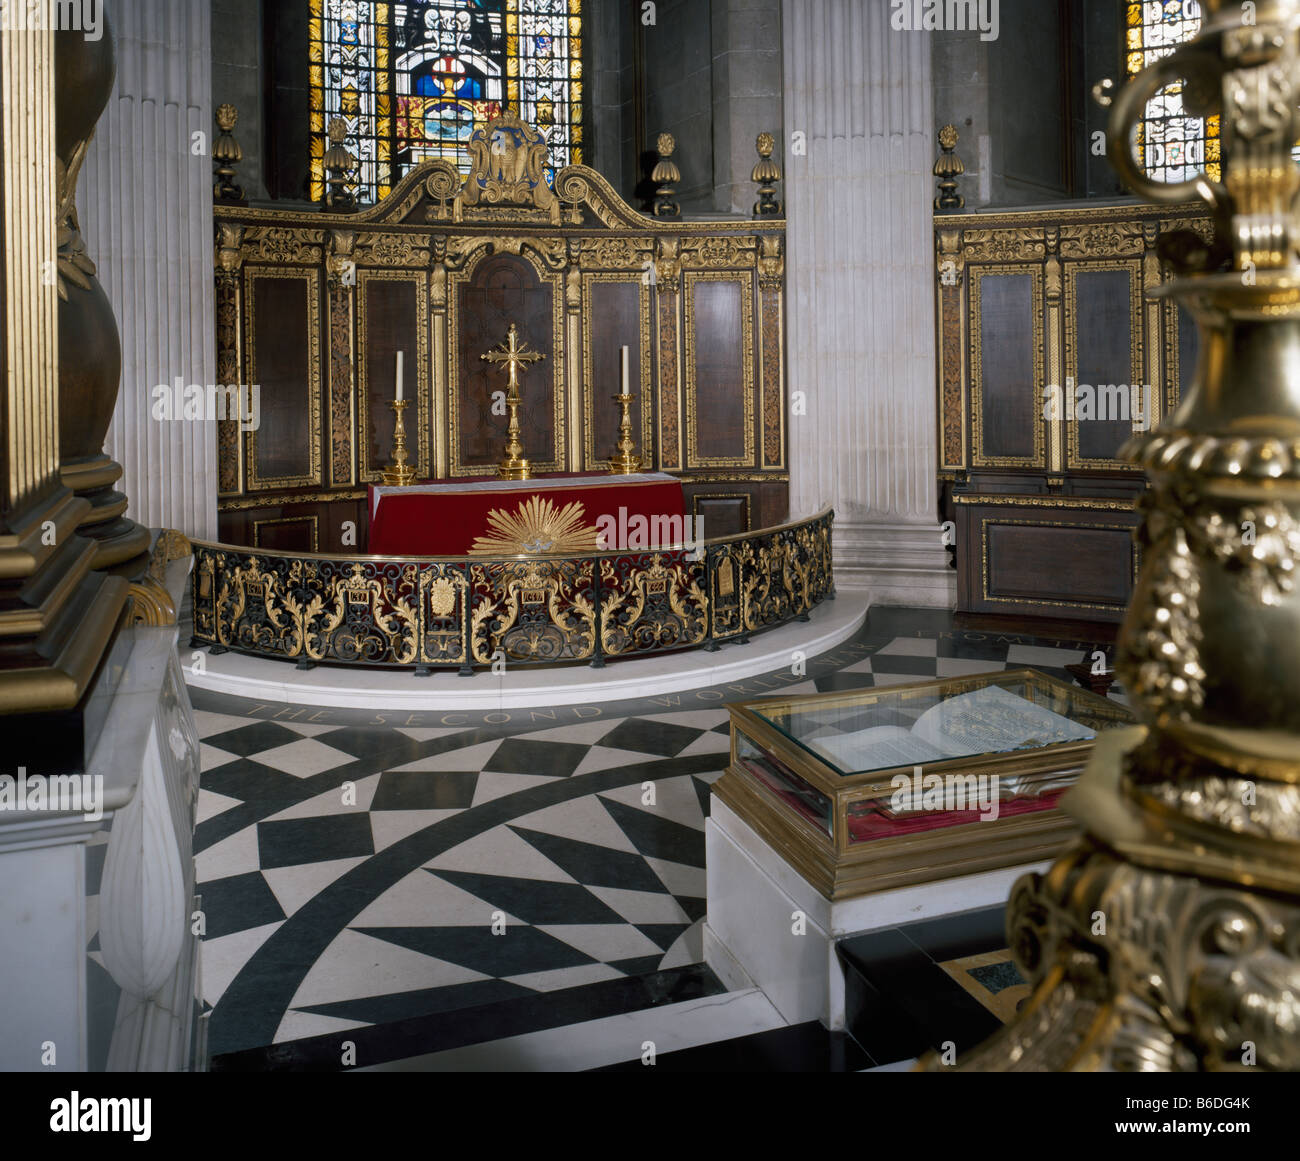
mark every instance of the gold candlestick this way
{"type": "Point", "coordinates": [399, 473]}
{"type": "Point", "coordinates": [515, 356]}
{"type": "Point", "coordinates": [624, 462]}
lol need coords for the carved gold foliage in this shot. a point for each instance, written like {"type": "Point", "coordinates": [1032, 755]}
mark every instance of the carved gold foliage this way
{"type": "Point", "coordinates": [280, 244]}
{"type": "Point", "coordinates": [1101, 240]}
{"type": "Point", "coordinates": [442, 596]}
{"type": "Point", "coordinates": [660, 607]}
{"type": "Point", "coordinates": [528, 608]}
{"type": "Point", "coordinates": [620, 253]}
{"type": "Point", "coordinates": [1014, 245]}
{"type": "Point", "coordinates": [771, 262]}
{"type": "Point", "coordinates": [393, 249]}
{"type": "Point", "coordinates": [719, 252]}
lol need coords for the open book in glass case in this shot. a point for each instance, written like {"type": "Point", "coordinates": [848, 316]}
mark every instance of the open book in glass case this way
{"type": "Point", "coordinates": [880, 788]}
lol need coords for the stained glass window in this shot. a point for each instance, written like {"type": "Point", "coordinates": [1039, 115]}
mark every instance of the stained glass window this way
{"type": "Point", "coordinates": [412, 81]}
{"type": "Point", "coordinates": [1173, 146]}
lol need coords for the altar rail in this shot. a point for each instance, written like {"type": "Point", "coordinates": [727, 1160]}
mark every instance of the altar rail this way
{"type": "Point", "coordinates": [428, 612]}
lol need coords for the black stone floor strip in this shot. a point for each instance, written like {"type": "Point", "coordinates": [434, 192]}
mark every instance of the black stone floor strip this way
{"type": "Point", "coordinates": [899, 1003]}
{"type": "Point", "coordinates": [535, 1012]}
{"type": "Point", "coordinates": [798, 1048]}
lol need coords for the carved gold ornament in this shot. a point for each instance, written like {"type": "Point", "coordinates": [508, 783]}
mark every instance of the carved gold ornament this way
{"type": "Point", "coordinates": [538, 525]}
{"type": "Point", "coordinates": [442, 597]}
{"type": "Point", "coordinates": [581, 606]}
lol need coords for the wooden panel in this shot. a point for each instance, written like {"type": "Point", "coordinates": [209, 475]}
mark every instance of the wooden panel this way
{"type": "Point", "coordinates": [1008, 368]}
{"type": "Point", "coordinates": [1057, 560]}
{"type": "Point", "coordinates": [724, 514]}
{"type": "Point", "coordinates": [616, 313]}
{"type": "Point", "coordinates": [392, 306]}
{"type": "Point", "coordinates": [335, 525]}
{"type": "Point", "coordinates": [284, 364]}
{"type": "Point", "coordinates": [719, 323]}
{"type": "Point", "coordinates": [1024, 563]}
{"type": "Point", "coordinates": [287, 534]}
{"type": "Point", "coordinates": [505, 289]}
{"type": "Point", "coordinates": [1104, 357]}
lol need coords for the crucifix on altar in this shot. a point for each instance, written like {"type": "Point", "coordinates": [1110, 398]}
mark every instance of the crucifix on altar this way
{"type": "Point", "coordinates": [516, 357]}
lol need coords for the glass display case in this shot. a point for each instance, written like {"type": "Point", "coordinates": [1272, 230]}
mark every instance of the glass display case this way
{"type": "Point", "coordinates": [882, 787]}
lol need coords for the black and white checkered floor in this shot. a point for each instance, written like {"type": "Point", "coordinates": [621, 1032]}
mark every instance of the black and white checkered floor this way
{"type": "Point", "coordinates": [357, 870]}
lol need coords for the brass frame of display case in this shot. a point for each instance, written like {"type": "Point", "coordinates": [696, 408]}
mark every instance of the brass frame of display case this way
{"type": "Point", "coordinates": [840, 870]}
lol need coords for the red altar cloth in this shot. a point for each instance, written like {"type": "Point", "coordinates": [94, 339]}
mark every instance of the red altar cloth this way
{"type": "Point", "coordinates": [445, 517]}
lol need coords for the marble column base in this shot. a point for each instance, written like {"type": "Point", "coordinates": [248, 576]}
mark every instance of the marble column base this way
{"type": "Point", "coordinates": [755, 898]}
{"type": "Point", "coordinates": [898, 563]}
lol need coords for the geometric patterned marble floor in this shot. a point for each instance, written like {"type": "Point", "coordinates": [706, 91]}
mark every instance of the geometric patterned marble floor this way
{"type": "Point", "coordinates": [359, 872]}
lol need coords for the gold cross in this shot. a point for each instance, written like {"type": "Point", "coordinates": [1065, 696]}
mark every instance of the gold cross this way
{"type": "Point", "coordinates": [514, 355]}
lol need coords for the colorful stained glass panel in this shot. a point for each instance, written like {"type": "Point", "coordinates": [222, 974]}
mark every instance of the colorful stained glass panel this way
{"type": "Point", "coordinates": [413, 80]}
{"type": "Point", "coordinates": [1174, 146]}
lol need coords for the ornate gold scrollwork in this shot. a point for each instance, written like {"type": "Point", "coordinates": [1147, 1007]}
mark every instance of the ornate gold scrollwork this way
{"type": "Point", "coordinates": [544, 608]}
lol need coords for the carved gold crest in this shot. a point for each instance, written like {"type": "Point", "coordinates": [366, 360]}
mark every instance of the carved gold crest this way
{"type": "Point", "coordinates": [537, 526]}
{"type": "Point", "coordinates": [442, 597]}
{"type": "Point", "coordinates": [507, 158]}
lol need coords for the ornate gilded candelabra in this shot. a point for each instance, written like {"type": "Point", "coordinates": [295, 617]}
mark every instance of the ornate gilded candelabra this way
{"type": "Point", "coordinates": [1168, 937]}
{"type": "Point", "coordinates": [399, 473]}
{"type": "Point", "coordinates": [624, 461]}
{"type": "Point", "coordinates": [515, 357]}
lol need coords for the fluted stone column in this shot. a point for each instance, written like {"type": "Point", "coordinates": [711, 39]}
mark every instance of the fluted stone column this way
{"type": "Point", "coordinates": [146, 210]}
{"type": "Point", "coordinates": [859, 277]}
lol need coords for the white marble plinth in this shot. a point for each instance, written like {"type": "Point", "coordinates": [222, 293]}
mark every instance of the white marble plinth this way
{"type": "Point", "coordinates": [756, 900]}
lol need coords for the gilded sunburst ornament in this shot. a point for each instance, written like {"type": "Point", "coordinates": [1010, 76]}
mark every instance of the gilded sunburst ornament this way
{"type": "Point", "coordinates": [537, 526]}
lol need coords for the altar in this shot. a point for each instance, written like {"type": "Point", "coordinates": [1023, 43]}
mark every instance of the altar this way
{"type": "Point", "coordinates": [553, 513]}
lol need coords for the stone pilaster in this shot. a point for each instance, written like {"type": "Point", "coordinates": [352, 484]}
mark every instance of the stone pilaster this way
{"type": "Point", "coordinates": [146, 209]}
{"type": "Point", "coordinates": [859, 275]}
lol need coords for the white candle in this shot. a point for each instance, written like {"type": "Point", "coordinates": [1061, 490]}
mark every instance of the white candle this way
{"type": "Point", "coordinates": [623, 353]}
{"type": "Point", "coordinates": [401, 355]}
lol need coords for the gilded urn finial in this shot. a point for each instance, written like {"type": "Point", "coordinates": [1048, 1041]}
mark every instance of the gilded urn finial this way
{"type": "Point", "coordinates": [665, 175]}
{"type": "Point", "coordinates": [948, 168]}
{"type": "Point", "coordinates": [766, 173]}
